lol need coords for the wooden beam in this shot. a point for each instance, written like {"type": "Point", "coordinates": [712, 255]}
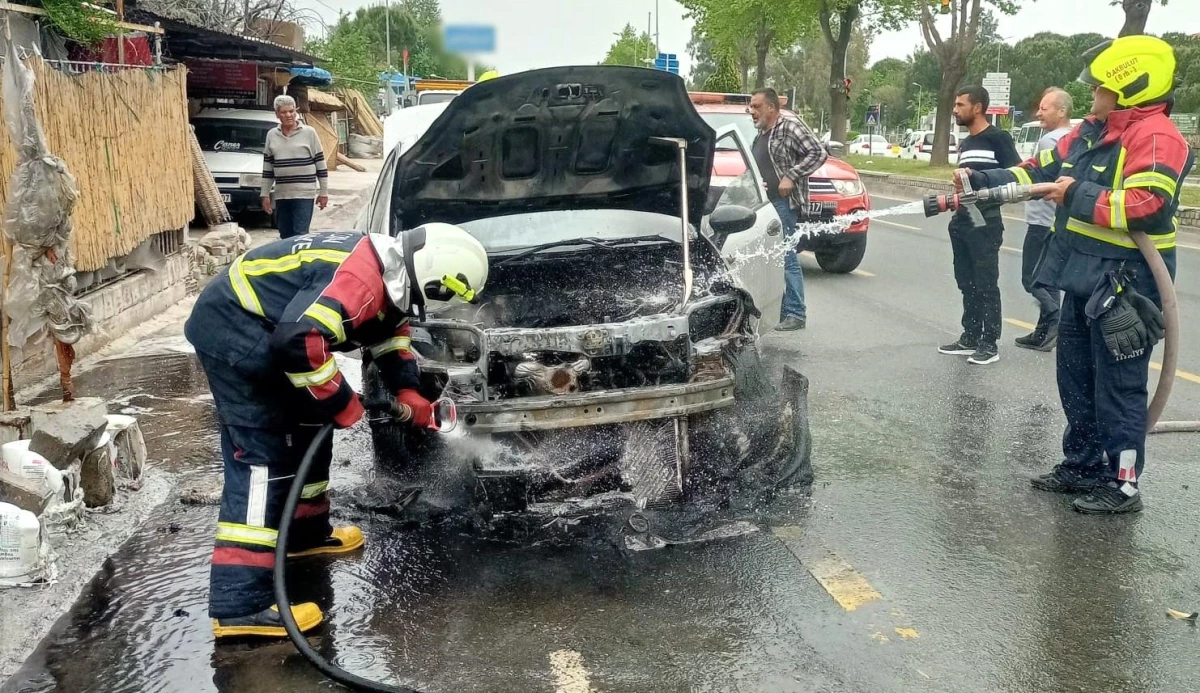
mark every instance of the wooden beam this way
{"type": "Point", "coordinates": [25, 9]}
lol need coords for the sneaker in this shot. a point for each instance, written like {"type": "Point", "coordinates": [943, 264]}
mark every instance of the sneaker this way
{"type": "Point", "coordinates": [1038, 341]}
{"type": "Point", "coordinates": [267, 623]}
{"type": "Point", "coordinates": [342, 540]}
{"type": "Point", "coordinates": [985, 354]}
{"type": "Point", "coordinates": [1110, 499]}
{"type": "Point", "coordinates": [790, 324]}
{"type": "Point", "coordinates": [961, 347]}
{"type": "Point", "coordinates": [1064, 480]}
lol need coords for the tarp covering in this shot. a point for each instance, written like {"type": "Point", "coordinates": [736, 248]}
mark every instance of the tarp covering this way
{"type": "Point", "coordinates": [311, 76]}
{"type": "Point", "coordinates": [37, 222]}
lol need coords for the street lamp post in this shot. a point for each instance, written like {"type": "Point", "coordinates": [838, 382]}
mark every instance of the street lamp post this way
{"type": "Point", "coordinates": [920, 103]}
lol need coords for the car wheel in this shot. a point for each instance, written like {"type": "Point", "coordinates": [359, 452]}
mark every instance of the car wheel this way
{"type": "Point", "coordinates": [843, 258]}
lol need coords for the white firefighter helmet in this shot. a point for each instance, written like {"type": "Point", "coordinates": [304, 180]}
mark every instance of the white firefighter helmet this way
{"type": "Point", "coordinates": [431, 265]}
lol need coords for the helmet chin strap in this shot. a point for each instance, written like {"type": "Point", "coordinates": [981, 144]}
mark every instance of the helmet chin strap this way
{"type": "Point", "coordinates": [412, 241]}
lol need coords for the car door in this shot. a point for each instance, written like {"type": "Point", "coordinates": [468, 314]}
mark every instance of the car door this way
{"type": "Point", "coordinates": [373, 218]}
{"type": "Point", "coordinates": [755, 255]}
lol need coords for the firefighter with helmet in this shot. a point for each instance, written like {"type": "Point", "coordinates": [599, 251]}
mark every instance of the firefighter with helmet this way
{"type": "Point", "coordinates": [1120, 170]}
{"type": "Point", "coordinates": [265, 332]}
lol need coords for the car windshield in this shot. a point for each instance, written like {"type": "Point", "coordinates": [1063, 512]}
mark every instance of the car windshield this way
{"type": "Point", "coordinates": [520, 231]}
{"type": "Point", "coordinates": [743, 121]}
{"type": "Point", "coordinates": [428, 98]}
{"type": "Point", "coordinates": [232, 135]}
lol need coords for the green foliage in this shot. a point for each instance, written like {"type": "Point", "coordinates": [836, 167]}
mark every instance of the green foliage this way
{"type": "Point", "coordinates": [725, 79]}
{"type": "Point", "coordinates": [348, 57]}
{"type": "Point", "coordinates": [767, 24]}
{"type": "Point", "coordinates": [704, 62]}
{"type": "Point", "coordinates": [79, 22]}
{"type": "Point", "coordinates": [630, 49]}
{"type": "Point", "coordinates": [806, 68]}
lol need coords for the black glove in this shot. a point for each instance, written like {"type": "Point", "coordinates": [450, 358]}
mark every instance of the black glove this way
{"type": "Point", "coordinates": [1124, 332]}
{"type": "Point", "coordinates": [1151, 316]}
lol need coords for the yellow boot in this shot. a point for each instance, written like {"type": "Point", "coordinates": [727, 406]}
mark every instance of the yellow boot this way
{"type": "Point", "coordinates": [342, 540]}
{"type": "Point", "coordinates": [267, 623]}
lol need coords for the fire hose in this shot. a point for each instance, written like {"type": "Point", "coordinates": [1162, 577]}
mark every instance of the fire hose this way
{"type": "Point", "coordinates": [445, 418]}
{"type": "Point", "coordinates": [970, 199]}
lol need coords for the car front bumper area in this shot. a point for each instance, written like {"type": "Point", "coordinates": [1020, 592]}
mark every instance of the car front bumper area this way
{"type": "Point", "coordinates": [241, 199]}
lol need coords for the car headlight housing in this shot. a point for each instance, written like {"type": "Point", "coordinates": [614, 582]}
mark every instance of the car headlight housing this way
{"type": "Point", "coordinates": [250, 180]}
{"type": "Point", "coordinates": [848, 187]}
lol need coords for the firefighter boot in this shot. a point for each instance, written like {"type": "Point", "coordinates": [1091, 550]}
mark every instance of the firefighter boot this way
{"type": "Point", "coordinates": [1110, 499]}
{"type": "Point", "coordinates": [343, 540]}
{"type": "Point", "coordinates": [267, 623]}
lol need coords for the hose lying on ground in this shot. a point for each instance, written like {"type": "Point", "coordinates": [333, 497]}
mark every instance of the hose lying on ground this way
{"type": "Point", "coordinates": [327, 668]}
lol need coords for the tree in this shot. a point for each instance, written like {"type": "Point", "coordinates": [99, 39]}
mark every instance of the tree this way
{"type": "Point", "coordinates": [805, 68]}
{"type": "Point", "coordinates": [769, 24]}
{"type": "Point", "coordinates": [630, 49]}
{"type": "Point", "coordinates": [725, 79]}
{"type": "Point", "coordinates": [225, 16]}
{"type": "Point", "coordinates": [1136, 14]}
{"type": "Point", "coordinates": [348, 58]}
{"type": "Point", "coordinates": [704, 61]}
{"type": "Point", "coordinates": [953, 53]}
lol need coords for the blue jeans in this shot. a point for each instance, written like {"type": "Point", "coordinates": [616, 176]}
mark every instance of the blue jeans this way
{"type": "Point", "coordinates": [793, 275]}
{"type": "Point", "coordinates": [293, 217]}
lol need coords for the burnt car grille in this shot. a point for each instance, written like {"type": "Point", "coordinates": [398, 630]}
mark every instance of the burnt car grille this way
{"type": "Point", "coordinates": [821, 186]}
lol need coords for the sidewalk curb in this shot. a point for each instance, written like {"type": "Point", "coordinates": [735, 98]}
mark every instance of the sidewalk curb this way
{"type": "Point", "coordinates": [914, 188]}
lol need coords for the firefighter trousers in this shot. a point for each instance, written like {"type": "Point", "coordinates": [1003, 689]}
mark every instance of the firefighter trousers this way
{"type": "Point", "coordinates": [1103, 397]}
{"type": "Point", "coordinates": [261, 457]}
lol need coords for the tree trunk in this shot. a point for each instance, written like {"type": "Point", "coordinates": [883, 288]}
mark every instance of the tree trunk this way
{"type": "Point", "coordinates": [838, 43]}
{"type": "Point", "coordinates": [1136, 14]}
{"type": "Point", "coordinates": [951, 76]}
{"type": "Point", "coordinates": [761, 47]}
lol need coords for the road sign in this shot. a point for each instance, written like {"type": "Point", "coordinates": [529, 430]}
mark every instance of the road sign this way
{"type": "Point", "coordinates": [1188, 123]}
{"type": "Point", "coordinates": [469, 38]}
{"type": "Point", "coordinates": [998, 110]}
{"type": "Point", "coordinates": [871, 119]}
{"type": "Point", "coordinates": [667, 62]}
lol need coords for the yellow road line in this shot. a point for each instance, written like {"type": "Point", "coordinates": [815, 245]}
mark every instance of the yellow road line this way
{"type": "Point", "coordinates": [1191, 377]}
{"type": "Point", "coordinates": [570, 676]}
{"type": "Point", "coordinates": [862, 273]}
{"type": "Point", "coordinates": [1020, 323]}
{"type": "Point", "coordinates": [892, 223]}
{"type": "Point", "coordinates": [846, 585]}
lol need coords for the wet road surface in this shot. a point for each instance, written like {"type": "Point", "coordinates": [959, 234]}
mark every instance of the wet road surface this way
{"type": "Point", "coordinates": [921, 561]}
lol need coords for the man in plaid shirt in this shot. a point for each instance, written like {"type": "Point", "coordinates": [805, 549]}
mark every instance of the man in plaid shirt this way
{"type": "Point", "coordinates": [787, 153]}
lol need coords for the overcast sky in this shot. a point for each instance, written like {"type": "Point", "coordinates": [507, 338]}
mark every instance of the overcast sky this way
{"type": "Point", "coordinates": [540, 33]}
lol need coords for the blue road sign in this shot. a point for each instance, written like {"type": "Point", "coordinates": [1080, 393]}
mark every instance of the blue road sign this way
{"type": "Point", "coordinates": [871, 120]}
{"type": "Point", "coordinates": [668, 62]}
{"type": "Point", "coordinates": [469, 38]}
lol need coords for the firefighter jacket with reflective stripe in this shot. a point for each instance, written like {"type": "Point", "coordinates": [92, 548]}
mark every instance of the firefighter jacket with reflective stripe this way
{"type": "Point", "coordinates": [1128, 172]}
{"type": "Point", "coordinates": [283, 309]}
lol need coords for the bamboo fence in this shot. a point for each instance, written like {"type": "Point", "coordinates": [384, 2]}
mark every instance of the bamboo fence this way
{"type": "Point", "coordinates": [124, 136]}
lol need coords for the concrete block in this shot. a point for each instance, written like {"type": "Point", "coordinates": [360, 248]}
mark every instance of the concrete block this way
{"type": "Point", "coordinates": [66, 431]}
{"type": "Point", "coordinates": [14, 425]}
{"type": "Point", "coordinates": [98, 476]}
{"type": "Point", "coordinates": [26, 494]}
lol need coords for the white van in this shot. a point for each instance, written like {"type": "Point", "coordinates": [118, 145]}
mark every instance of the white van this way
{"type": "Point", "coordinates": [918, 145]}
{"type": "Point", "coordinates": [233, 140]}
{"type": "Point", "coordinates": [1027, 137]}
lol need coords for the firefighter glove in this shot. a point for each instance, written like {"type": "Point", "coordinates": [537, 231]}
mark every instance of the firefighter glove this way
{"type": "Point", "coordinates": [1151, 316]}
{"type": "Point", "coordinates": [1125, 334]}
{"type": "Point", "coordinates": [414, 408]}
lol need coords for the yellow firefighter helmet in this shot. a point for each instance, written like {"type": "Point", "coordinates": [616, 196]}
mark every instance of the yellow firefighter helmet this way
{"type": "Point", "coordinates": [1139, 69]}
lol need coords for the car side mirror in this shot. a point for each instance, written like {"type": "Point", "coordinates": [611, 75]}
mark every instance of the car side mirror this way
{"type": "Point", "coordinates": [835, 148]}
{"type": "Point", "coordinates": [730, 219]}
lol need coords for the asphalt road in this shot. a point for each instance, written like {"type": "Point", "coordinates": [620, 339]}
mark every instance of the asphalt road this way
{"type": "Point", "coordinates": [922, 560]}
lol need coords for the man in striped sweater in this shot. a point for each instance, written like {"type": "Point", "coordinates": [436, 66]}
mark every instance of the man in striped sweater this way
{"type": "Point", "coordinates": [294, 165]}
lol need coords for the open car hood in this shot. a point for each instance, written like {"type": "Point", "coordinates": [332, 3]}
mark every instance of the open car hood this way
{"type": "Point", "coordinates": [557, 138]}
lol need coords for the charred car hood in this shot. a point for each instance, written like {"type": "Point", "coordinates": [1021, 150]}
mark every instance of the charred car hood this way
{"type": "Point", "coordinates": [557, 138]}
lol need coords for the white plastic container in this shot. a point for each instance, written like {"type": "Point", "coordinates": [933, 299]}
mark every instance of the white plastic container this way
{"type": "Point", "coordinates": [19, 536]}
{"type": "Point", "coordinates": [20, 461]}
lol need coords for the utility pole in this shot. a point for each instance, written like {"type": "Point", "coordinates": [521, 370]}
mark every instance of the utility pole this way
{"type": "Point", "coordinates": [387, 22]}
{"type": "Point", "coordinates": [649, 57]}
{"type": "Point", "coordinates": [246, 19]}
{"type": "Point", "coordinates": [657, 38]}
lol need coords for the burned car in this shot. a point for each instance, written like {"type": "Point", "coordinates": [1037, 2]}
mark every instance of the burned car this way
{"type": "Point", "coordinates": [613, 356]}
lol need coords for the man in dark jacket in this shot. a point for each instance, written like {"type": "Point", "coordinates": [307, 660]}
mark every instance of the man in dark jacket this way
{"type": "Point", "coordinates": [265, 332]}
{"type": "Point", "coordinates": [1118, 171]}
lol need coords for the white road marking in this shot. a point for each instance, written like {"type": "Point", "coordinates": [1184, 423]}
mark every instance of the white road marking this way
{"type": "Point", "coordinates": [569, 673]}
{"type": "Point", "coordinates": [862, 273]}
{"type": "Point", "coordinates": [892, 223]}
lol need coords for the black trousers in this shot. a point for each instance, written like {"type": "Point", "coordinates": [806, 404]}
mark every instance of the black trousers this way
{"type": "Point", "coordinates": [1049, 300]}
{"type": "Point", "coordinates": [977, 271]}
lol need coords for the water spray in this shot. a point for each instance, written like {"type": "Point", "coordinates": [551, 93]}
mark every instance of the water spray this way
{"type": "Point", "coordinates": [970, 201]}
